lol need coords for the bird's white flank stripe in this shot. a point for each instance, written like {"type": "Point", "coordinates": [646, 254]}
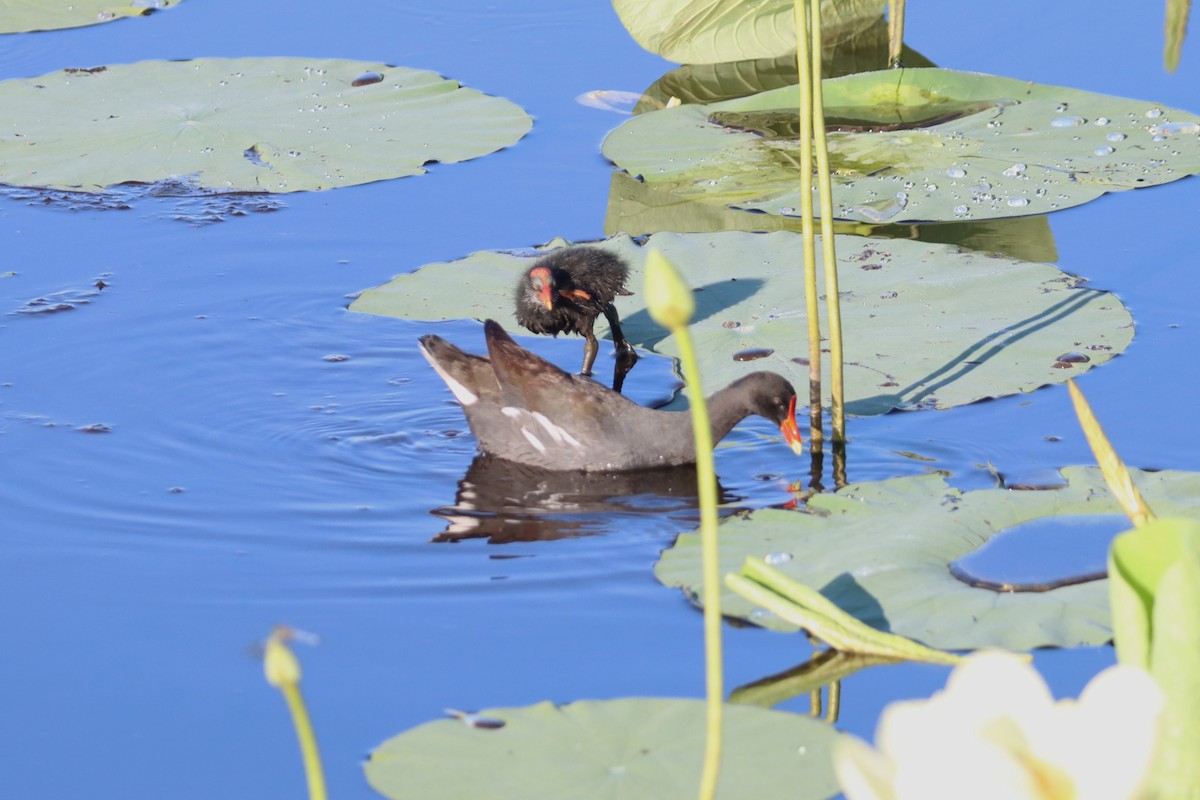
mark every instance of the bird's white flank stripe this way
{"type": "Point", "coordinates": [464, 395]}
{"type": "Point", "coordinates": [533, 440]}
{"type": "Point", "coordinates": [559, 435]}
{"type": "Point", "coordinates": [522, 416]}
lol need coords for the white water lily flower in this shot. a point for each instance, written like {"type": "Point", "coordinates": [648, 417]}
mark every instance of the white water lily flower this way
{"type": "Point", "coordinates": [995, 731]}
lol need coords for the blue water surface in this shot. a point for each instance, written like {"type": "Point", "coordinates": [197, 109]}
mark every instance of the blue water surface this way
{"type": "Point", "coordinates": [213, 444]}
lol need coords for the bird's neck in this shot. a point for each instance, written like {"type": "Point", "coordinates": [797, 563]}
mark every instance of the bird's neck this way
{"type": "Point", "coordinates": [725, 409]}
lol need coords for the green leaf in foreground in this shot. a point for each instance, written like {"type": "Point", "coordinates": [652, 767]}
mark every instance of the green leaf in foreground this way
{"type": "Point", "coordinates": [882, 551]}
{"type": "Point", "coordinates": [926, 325]}
{"type": "Point", "coordinates": [631, 748]}
{"type": "Point", "coordinates": [20, 16]}
{"type": "Point", "coordinates": [1175, 31]}
{"type": "Point", "coordinates": [706, 31]}
{"type": "Point", "coordinates": [916, 145]}
{"type": "Point", "coordinates": [1155, 577]}
{"type": "Point", "coordinates": [243, 125]}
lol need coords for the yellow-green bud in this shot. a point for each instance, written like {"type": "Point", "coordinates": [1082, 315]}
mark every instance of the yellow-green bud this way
{"type": "Point", "coordinates": [279, 664]}
{"type": "Point", "coordinates": [668, 298]}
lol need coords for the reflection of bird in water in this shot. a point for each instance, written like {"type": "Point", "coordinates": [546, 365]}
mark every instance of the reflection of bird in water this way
{"type": "Point", "coordinates": [507, 502]}
{"type": "Point", "coordinates": [525, 409]}
{"type": "Point", "coordinates": [566, 290]}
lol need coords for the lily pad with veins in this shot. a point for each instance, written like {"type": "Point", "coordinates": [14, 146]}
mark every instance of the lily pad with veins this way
{"type": "Point", "coordinates": [243, 124]}
{"type": "Point", "coordinates": [925, 325]}
{"type": "Point", "coordinates": [915, 145]}
{"type": "Point", "coordinates": [883, 551]}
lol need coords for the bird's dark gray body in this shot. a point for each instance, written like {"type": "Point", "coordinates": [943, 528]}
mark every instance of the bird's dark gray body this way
{"type": "Point", "coordinates": [523, 408]}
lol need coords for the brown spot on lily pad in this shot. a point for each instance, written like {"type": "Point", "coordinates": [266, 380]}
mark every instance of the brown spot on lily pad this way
{"type": "Point", "coordinates": [1068, 360]}
{"type": "Point", "coordinates": [753, 354]}
{"type": "Point", "coordinates": [366, 79]}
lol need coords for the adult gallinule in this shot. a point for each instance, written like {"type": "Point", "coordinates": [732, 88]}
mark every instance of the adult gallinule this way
{"type": "Point", "coordinates": [566, 290]}
{"type": "Point", "coordinates": [525, 409]}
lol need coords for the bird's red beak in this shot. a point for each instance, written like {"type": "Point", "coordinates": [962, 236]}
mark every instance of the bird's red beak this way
{"type": "Point", "coordinates": [791, 431]}
{"type": "Point", "coordinates": [545, 297]}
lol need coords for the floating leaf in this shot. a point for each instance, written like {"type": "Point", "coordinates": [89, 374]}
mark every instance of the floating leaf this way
{"type": "Point", "coordinates": [243, 125]}
{"type": "Point", "coordinates": [20, 16]}
{"type": "Point", "coordinates": [705, 31]}
{"type": "Point", "coordinates": [915, 144]}
{"type": "Point", "coordinates": [881, 551]}
{"type": "Point", "coordinates": [926, 325]}
{"type": "Point", "coordinates": [631, 748]}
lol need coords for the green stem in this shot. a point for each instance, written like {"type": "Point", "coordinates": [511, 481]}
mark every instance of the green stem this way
{"type": "Point", "coordinates": [807, 608]}
{"type": "Point", "coordinates": [895, 31]}
{"type": "Point", "coordinates": [308, 741]}
{"type": "Point", "coordinates": [835, 702]}
{"type": "Point", "coordinates": [706, 481]}
{"type": "Point", "coordinates": [812, 309]}
{"type": "Point", "coordinates": [833, 307]}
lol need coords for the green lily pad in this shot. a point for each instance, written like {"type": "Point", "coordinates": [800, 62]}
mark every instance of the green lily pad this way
{"type": "Point", "coordinates": [243, 125]}
{"type": "Point", "coordinates": [706, 31]}
{"type": "Point", "coordinates": [881, 551]}
{"type": "Point", "coordinates": [629, 748]}
{"type": "Point", "coordinates": [20, 16]}
{"type": "Point", "coordinates": [915, 145]}
{"type": "Point", "coordinates": [924, 325]}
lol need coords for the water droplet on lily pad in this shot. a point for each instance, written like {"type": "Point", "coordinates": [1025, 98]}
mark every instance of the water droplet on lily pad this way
{"type": "Point", "coordinates": [775, 559]}
{"type": "Point", "coordinates": [880, 210]}
{"type": "Point", "coordinates": [1175, 129]}
{"type": "Point", "coordinates": [1067, 122]}
{"type": "Point", "coordinates": [956, 172]}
